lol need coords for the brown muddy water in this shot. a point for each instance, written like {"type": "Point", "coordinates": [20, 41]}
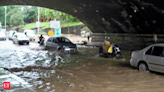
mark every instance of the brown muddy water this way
{"type": "Point", "coordinates": [52, 71]}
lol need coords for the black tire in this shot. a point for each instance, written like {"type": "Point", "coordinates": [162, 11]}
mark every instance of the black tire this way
{"type": "Point", "coordinates": [143, 67]}
{"type": "Point", "coordinates": [27, 43]}
{"type": "Point", "coordinates": [119, 56]}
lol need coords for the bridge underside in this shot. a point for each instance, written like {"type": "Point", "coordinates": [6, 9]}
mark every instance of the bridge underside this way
{"type": "Point", "coordinates": [108, 16]}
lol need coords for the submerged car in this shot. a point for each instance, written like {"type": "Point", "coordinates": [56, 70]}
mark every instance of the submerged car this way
{"type": "Point", "coordinates": [2, 35]}
{"type": "Point", "coordinates": [149, 58]}
{"type": "Point", "coordinates": [60, 43]}
{"type": "Point", "coordinates": [20, 38]}
{"type": "Point", "coordinates": [30, 34]}
{"type": "Point", "coordinates": [11, 33]}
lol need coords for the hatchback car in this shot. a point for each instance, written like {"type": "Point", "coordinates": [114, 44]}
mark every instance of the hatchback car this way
{"type": "Point", "coordinates": [20, 38]}
{"type": "Point", "coordinates": [60, 43]}
{"type": "Point", "coordinates": [149, 58]}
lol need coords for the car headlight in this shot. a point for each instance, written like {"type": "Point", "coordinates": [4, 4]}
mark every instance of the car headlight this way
{"type": "Point", "coordinates": [65, 46]}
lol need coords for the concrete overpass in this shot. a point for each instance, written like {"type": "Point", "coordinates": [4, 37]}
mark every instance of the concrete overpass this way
{"type": "Point", "coordinates": [110, 16]}
{"type": "Point", "coordinates": [130, 20]}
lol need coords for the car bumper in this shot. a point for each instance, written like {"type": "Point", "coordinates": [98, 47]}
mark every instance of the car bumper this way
{"type": "Point", "coordinates": [2, 38]}
{"type": "Point", "coordinates": [133, 62]}
{"type": "Point", "coordinates": [73, 50]}
{"type": "Point", "coordinates": [31, 38]}
{"type": "Point", "coordinates": [24, 41]}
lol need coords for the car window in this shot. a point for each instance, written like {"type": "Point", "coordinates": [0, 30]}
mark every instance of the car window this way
{"type": "Point", "coordinates": [15, 36]}
{"type": "Point", "coordinates": [163, 53]}
{"type": "Point", "coordinates": [62, 39]}
{"type": "Point", "coordinates": [49, 40]}
{"type": "Point", "coordinates": [54, 40]}
{"type": "Point", "coordinates": [149, 51]}
{"type": "Point", "coordinates": [157, 51]}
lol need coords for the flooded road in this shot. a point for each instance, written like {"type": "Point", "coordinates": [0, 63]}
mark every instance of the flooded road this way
{"type": "Point", "coordinates": [30, 68]}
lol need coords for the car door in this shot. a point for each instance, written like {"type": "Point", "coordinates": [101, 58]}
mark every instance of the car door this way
{"type": "Point", "coordinates": [154, 58]}
{"type": "Point", "coordinates": [48, 43]}
{"type": "Point", "coordinates": [54, 44]}
{"type": "Point", "coordinates": [162, 61]}
{"type": "Point", "coordinates": [14, 38]}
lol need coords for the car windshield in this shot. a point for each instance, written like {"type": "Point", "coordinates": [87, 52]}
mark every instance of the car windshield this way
{"type": "Point", "coordinates": [30, 32]}
{"type": "Point", "coordinates": [62, 40]}
{"type": "Point", "coordinates": [11, 32]}
{"type": "Point", "coordinates": [21, 36]}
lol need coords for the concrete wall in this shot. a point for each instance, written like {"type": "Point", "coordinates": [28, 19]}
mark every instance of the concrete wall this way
{"type": "Point", "coordinates": [128, 41]}
{"type": "Point", "coordinates": [72, 30]}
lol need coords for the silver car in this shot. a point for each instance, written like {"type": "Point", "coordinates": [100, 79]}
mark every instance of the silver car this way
{"type": "Point", "coordinates": [149, 58]}
{"type": "Point", "coordinates": [60, 43]}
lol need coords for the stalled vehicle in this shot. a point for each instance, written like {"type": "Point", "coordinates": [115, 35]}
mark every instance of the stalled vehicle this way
{"type": "Point", "coordinates": [60, 43]}
{"type": "Point", "coordinates": [30, 34]}
{"type": "Point", "coordinates": [11, 33]}
{"type": "Point", "coordinates": [20, 38]}
{"type": "Point", "coordinates": [2, 35]}
{"type": "Point", "coordinates": [149, 58]}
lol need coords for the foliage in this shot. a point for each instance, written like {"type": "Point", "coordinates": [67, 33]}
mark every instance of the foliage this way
{"type": "Point", "coordinates": [22, 14]}
{"type": "Point", "coordinates": [16, 19]}
{"type": "Point", "coordinates": [45, 25]}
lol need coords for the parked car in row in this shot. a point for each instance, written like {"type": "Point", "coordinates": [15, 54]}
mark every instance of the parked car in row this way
{"type": "Point", "coordinates": [149, 58]}
{"type": "Point", "coordinates": [30, 34]}
{"type": "Point", "coordinates": [60, 43]}
{"type": "Point", "coordinates": [20, 38]}
{"type": "Point", "coordinates": [11, 33]}
{"type": "Point", "coordinates": [2, 35]}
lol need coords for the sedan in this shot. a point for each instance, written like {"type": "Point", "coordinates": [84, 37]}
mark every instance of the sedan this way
{"type": "Point", "coordinates": [60, 43]}
{"type": "Point", "coordinates": [149, 58]}
{"type": "Point", "coordinates": [20, 38]}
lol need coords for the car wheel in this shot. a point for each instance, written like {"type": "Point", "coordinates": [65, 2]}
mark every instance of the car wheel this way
{"type": "Point", "coordinates": [27, 43]}
{"type": "Point", "coordinates": [13, 42]}
{"type": "Point", "coordinates": [142, 67]}
{"type": "Point", "coordinates": [119, 56]}
{"type": "Point", "coordinates": [45, 47]}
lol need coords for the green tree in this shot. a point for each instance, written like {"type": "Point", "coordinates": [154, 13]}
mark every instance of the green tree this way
{"type": "Point", "coordinates": [17, 19]}
{"type": "Point", "coordinates": [16, 16]}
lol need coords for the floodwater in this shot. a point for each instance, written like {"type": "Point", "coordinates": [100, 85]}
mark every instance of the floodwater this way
{"type": "Point", "coordinates": [33, 69]}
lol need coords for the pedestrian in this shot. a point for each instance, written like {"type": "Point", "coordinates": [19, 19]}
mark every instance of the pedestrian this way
{"type": "Point", "coordinates": [88, 35]}
{"type": "Point", "coordinates": [155, 38]}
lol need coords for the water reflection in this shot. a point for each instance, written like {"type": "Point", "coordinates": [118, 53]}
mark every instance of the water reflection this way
{"type": "Point", "coordinates": [84, 71]}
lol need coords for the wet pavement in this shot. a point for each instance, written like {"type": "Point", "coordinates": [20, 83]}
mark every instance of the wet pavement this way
{"type": "Point", "coordinates": [30, 68]}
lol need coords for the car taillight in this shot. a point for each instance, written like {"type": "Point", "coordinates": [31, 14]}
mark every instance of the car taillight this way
{"type": "Point", "coordinates": [131, 55]}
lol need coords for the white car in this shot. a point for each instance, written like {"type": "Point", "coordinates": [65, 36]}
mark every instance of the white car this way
{"type": "Point", "coordinates": [20, 38]}
{"type": "Point", "coordinates": [11, 33]}
{"type": "Point", "coordinates": [2, 35]}
{"type": "Point", "coordinates": [149, 58]}
{"type": "Point", "coordinates": [30, 34]}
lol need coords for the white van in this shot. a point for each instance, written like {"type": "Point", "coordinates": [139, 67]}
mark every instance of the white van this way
{"type": "Point", "coordinates": [2, 35]}
{"type": "Point", "coordinates": [30, 34]}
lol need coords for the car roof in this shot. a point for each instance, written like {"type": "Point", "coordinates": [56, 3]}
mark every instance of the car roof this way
{"type": "Point", "coordinates": [58, 37]}
{"type": "Point", "coordinates": [28, 30]}
{"type": "Point", "coordinates": [157, 44]}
